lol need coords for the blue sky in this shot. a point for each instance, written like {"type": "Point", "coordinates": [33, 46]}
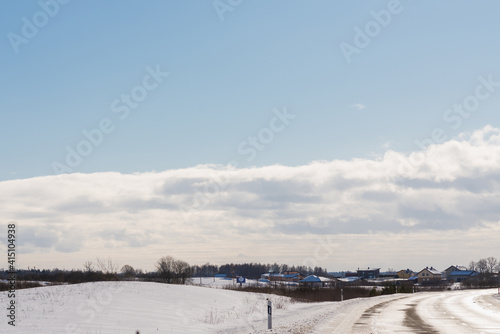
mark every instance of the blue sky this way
{"type": "Point", "coordinates": [232, 76]}
{"type": "Point", "coordinates": [226, 76]}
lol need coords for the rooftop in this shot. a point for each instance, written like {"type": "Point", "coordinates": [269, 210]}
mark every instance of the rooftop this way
{"type": "Point", "coordinates": [462, 273]}
{"type": "Point", "coordinates": [368, 269]}
{"type": "Point", "coordinates": [457, 267]}
{"type": "Point", "coordinates": [314, 278]}
{"type": "Point", "coordinates": [432, 270]}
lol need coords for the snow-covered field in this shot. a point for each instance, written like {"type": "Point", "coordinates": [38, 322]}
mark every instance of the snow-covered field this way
{"type": "Point", "coordinates": [222, 282]}
{"type": "Point", "coordinates": [125, 307]}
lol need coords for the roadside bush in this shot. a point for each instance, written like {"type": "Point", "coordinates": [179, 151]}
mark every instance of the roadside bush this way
{"type": "Point", "coordinates": [308, 294]}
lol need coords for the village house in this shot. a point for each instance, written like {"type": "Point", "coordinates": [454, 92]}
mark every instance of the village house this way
{"type": "Point", "coordinates": [451, 269]}
{"type": "Point", "coordinates": [315, 281]}
{"type": "Point", "coordinates": [405, 273]}
{"type": "Point", "coordinates": [273, 277]}
{"type": "Point", "coordinates": [428, 275]}
{"type": "Point", "coordinates": [458, 276]}
{"type": "Point", "coordinates": [287, 276]}
{"type": "Point", "coordinates": [367, 273]}
{"type": "Point", "coordinates": [292, 276]}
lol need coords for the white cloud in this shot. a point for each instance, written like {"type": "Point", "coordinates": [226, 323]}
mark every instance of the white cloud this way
{"type": "Point", "coordinates": [358, 106]}
{"type": "Point", "coordinates": [273, 213]}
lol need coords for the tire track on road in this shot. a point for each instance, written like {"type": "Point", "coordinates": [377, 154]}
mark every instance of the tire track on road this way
{"type": "Point", "coordinates": [367, 322]}
{"type": "Point", "coordinates": [418, 325]}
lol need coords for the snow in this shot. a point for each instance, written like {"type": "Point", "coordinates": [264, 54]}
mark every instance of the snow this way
{"type": "Point", "coordinates": [223, 282]}
{"type": "Point", "coordinates": [466, 311]}
{"type": "Point", "coordinates": [125, 307]}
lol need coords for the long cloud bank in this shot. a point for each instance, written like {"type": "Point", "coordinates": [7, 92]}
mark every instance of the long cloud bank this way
{"type": "Point", "coordinates": [454, 186]}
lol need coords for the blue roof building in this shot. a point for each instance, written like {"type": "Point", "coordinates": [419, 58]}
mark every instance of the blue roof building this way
{"type": "Point", "coordinates": [461, 275]}
{"type": "Point", "coordinates": [314, 280]}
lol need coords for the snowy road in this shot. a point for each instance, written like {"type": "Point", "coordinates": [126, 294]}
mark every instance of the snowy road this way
{"type": "Point", "coordinates": [470, 311]}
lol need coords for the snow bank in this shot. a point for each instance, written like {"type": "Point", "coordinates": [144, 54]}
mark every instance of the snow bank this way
{"type": "Point", "coordinates": [124, 307]}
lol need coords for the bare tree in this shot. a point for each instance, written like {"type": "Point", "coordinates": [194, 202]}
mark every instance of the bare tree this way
{"type": "Point", "coordinates": [128, 270]}
{"type": "Point", "coordinates": [472, 265]}
{"type": "Point", "coordinates": [275, 268]}
{"type": "Point", "coordinates": [491, 264]}
{"type": "Point", "coordinates": [108, 267]}
{"type": "Point", "coordinates": [88, 266]}
{"type": "Point", "coordinates": [482, 266]}
{"type": "Point", "coordinates": [165, 268]}
{"type": "Point", "coordinates": [182, 271]}
{"type": "Point", "coordinates": [173, 271]}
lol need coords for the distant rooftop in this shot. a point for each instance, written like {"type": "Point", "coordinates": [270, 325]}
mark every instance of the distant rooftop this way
{"type": "Point", "coordinates": [462, 273]}
{"type": "Point", "coordinates": [458, 267]}
{"type": "Point", "coordinates": [314, 278]}
{"type": "Point", "coordinates": [432, 270]}
{"type": "Point", "coordinates": [368, 269]}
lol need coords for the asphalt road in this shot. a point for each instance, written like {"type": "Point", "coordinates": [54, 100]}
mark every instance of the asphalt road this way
{"type": "Point", "coordinates": [464, 311]}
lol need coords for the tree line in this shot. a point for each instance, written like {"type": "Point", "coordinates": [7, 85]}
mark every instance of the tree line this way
{"type": "Point", "coordinates": [487, 277]}
{"type": "Point", "coordinates": [167, 270]}
{"type": "Point", "coordinates": [485, 265]}
{"type": "Point", "coordinates": [253, 270]}
{"type": "Point", "coordinates": [175, 271]}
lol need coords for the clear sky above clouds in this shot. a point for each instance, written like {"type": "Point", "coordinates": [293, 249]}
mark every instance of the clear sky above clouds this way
{"type": "Point", "coordinates": [250, 84]}
{"type": "Point", "coordinates": [226, 76]}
